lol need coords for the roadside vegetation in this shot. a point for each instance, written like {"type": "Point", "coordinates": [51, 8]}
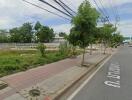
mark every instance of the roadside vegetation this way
{"type": "Point", "coordinates": [84, 32]}
{"type": "Point", "coordinates": [12, 61]}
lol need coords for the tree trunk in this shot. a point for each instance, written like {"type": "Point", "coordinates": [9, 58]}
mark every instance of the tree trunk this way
{"type": "Point", "coordinates": [74, 49]}
{"type": "Point", "coordinates": [111, 50]}
{"type": "Point", "coordinates": [101, 47]}
{"type": "Point", "coordinates": [101, 50]}
{"type": "Point", "coordinates": [105, 49]}
{"type": "Point", "coordinates": [83, 57]}
{"type": "Point", "coordinates": [91, 49]}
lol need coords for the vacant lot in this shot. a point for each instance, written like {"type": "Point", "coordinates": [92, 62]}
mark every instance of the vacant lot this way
{"type": "Point", "coordinates": [16, 61]}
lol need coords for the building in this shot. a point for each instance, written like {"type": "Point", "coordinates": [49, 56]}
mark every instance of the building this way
{"type": "Point", "coordinates": [58, 39]}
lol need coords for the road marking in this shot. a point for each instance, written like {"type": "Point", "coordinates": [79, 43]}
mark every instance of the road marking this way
{"type": "Point", "coordinates": [114, 73]}
{"type": "Point", "coordinates": [113, 84]}
{"type": "Point", "coordinates": [89, 78]}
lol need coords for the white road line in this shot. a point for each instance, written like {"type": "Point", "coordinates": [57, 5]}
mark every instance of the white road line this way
{"type": "Point", "coordinates": [89, 78]}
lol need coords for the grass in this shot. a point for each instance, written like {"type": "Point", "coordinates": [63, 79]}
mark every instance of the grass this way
{"type": "Point", "coordinates": [16, 61]}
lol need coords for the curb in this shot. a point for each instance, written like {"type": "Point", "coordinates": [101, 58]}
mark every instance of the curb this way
{"type": "Point", "coordinates": [63, 91]}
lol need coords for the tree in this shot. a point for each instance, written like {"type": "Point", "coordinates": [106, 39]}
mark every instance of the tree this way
{"type": "Point", "coordinates": [15, 35]}
{"type": "Point", "coordinates": [62, 34]}
{"type": "Point", "coordinates": [26, 33]}
{"type": "Point", "coordinates": [22, 34]}
{"type": "Point", "coordinates": [45, 34]}
{"type": "Point", "coordinates": [3, 36]}
{"type": "Point", "coordinates": [85, 23]}
{"type": "Point", "coordinates": [73, 39]}
{"type": "Point", "coordinates": [92, 40]}
{"type": "Point", "coordinates": [37, 26]}
{"type": "Point", "coordinates": [116, 40]}
{"type": "Point", "coordinates": [106, 35]}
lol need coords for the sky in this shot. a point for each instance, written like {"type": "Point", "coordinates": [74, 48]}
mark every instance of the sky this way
{"type": "Point", "coordinates": [13, 13]}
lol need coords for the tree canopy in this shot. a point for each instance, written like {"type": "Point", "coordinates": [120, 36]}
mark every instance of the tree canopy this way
{"type": "Point", "coordinates": [84, 24]}
{"type": "Point", "coordinates": [22, 34]}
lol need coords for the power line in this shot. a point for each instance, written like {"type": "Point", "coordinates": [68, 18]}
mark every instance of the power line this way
{"type": "Point", "coordinates": [113, 10]}
{"type": "Point", "coordinates": [116, 14]}
{"type": "Point", "coordinates": [67, 7]}
{"type": "Point", "coordinates": [104, 18]}
{"type": "Point", "coordinates": [105, 11]}
{"type": "Point", "coordinates": [71, 5]}
{"type": "Point", "coordinates": [100, 1]}
{"type": "Point", "coordinates": [46, 10]}
{"type": "Point", "coordinates": [63, 7]}
{"type": "Point", "coordinates": [99, 7]}
{"type": "Point", "coordinates": [117, 17]}
{"type": "Point", "coordinates": [43, 1]}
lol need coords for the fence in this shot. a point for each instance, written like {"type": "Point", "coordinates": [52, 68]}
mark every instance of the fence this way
{"type": "Point", "coordinates": [27, 46]}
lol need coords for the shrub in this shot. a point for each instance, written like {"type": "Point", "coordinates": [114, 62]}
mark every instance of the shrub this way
{"type": "Point", "coordinates": [64, 48]}
{"type": "Point", "coordinates": [42, 49]}
{"type": "Point", "coordinates": [10, 68]}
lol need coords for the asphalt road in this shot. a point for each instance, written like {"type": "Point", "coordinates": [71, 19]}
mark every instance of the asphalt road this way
{"type": "Point", "coordinates": [113, 81]}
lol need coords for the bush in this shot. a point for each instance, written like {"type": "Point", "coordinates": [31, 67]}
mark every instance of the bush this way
{"type": "Point", "coordinates": [64, 48]}
{"type": "Point", "coordinates": [10, 68]}
{"type": "Point", "coordinates": [42, 49]}
{"type": "Point", "coordinates": [11, 61]}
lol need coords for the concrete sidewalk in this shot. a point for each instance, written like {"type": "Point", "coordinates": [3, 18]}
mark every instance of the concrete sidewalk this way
{"type": "Point", "coordinates": [49, 79]}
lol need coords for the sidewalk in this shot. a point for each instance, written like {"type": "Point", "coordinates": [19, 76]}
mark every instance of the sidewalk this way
{"type": "Point", "coordinates": [48, 79]}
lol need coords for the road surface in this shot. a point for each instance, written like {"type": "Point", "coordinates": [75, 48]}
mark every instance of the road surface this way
{"type": "Point", "coordinates": [112, 82]}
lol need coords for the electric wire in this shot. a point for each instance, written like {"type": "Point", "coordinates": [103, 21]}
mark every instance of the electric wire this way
{"type": "Point", "coordinates": [105, 11]}
{"type": "Point", "coordinates": [67, 6]}
{"type": "Point", "coordinates": [113, 10]}
{"type": "Point", "coordinates": [46, 10]}
{"type": "Point", "coordinates": [45, 2]}
{"type": "Point", "coordinates": [104, 18]}
{"type": "Point", "coordinates": [63, 7]}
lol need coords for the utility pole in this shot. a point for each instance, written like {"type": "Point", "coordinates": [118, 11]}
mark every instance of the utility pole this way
{"type": "Point", "coordinates": [117, 20]}
{"type": "Point", "coordinates": [105, 19]}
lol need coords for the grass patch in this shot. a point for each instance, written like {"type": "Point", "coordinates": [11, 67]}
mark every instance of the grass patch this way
{"type": "Point", "coordinates": [16, 61]}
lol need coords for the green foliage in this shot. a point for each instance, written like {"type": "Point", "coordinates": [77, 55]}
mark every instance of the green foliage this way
{"type": "Point", "coordinates": [73, 37]}
{"type": "Point", "coordinates": [62, 34]}
{"type": "Point", "coordinates": [27, 34]}
{"type": "Point", "coordinates": [64, 49]}
{"type": "Point", "coordinates": [3, 36]}
{"type": "Point", "coordinates": [22, 34]}
{"type": "Point", "coordinates": [105, 35]}
{"type": "Point", "coordinates": [42, 49]}
{"type": "Point", "coordinates": [45, 34]}
{"type": "Point", "coordinates": [37, 26]}
{"type": "Point", "coordinates": [116, 40]}
{"type": "Point", "coordinates": [4, 39]}
{"type": "Point", "coordinates": [84, 24]}
{"type": "Point", "coordinates": [15, 35]}
{"type": "Point", "coordinates": [16, 61]}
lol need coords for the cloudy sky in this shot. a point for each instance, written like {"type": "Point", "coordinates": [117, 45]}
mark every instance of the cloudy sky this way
{"type": "Point", "coordinates": [14, 13]}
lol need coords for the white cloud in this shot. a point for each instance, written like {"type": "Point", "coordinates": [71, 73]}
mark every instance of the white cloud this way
{"type": "Point", "coordinates": [62, 28]}
{"type": "Point", "coordinates": [16, 12]}
{"type": "Point", "coordinates": [125, 27]}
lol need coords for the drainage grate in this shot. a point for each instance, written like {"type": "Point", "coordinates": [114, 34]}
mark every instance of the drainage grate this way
{"type": "Point", "coordinates": [34, 92]}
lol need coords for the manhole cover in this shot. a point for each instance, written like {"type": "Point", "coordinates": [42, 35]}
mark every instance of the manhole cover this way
{"type": "Point", "coordinates": [35, 92]}
{"type": "Point", "coordinates": [3, 85]}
